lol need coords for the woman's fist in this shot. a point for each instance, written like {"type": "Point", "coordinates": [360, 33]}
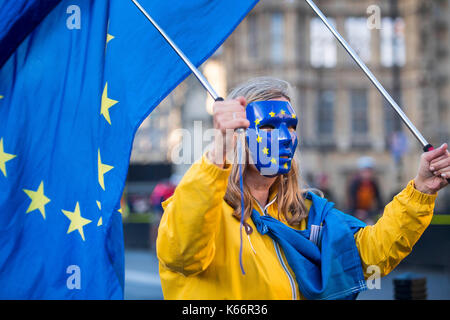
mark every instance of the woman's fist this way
{"type": "Point", "coordinates": [434, 170]}
{"type": "Point", "coordinates": [228, 115]}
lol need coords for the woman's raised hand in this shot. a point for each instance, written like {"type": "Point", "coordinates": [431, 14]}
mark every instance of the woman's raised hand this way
{"type": "Point", "coordinates": [434, 170]}
{"type": "Point", "coordinates": [228, 115]}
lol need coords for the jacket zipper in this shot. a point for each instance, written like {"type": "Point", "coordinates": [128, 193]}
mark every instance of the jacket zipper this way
{"type": "Point", "coordinates": [280, 257]}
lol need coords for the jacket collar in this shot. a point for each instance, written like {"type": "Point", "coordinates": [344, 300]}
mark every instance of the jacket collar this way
{"type": "Point", "coordinates": [272, 200]}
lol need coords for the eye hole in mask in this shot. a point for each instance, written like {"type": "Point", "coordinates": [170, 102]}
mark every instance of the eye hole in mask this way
{"type": "Point", "coordinates": [267, 127]}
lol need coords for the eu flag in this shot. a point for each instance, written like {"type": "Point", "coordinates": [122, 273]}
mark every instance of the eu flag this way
{"type": "Point", "coordinates": [77, 80]}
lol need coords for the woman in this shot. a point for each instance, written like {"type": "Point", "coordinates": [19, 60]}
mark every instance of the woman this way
{"type": "Point", "coordinates": [285, 254]}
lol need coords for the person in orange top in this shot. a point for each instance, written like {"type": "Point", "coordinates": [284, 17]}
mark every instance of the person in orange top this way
{"type": "Point", "coordinates": [198, 243]}
{"type": "Point", "coordinates": [364, 193]}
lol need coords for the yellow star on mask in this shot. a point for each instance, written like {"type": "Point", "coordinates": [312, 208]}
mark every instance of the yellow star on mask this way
{"type": "Point", "coordinates": [273, 161]}
{"type": "Point", "coordinates": [107, 103]}
{"type": "Point", "coordinates": [38, 199]}
{"type": "Point", "coordinates": [285, 166]}
{"type": "Point", "coordinates": [77, 222]}
{"type": "Point", "coordinates": [272, 114]}
{"type": "Point", "coordinates": [259, 139]}
{"type": "Point", "coordinates": [102, 169]}
{"type": "Point", "coordinates": [4, 157]}
{"type": "Point", "coordinates": [265, 151]}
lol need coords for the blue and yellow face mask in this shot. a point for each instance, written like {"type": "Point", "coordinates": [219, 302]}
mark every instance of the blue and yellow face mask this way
{"type": "Point", "coordinates": [271, 137]}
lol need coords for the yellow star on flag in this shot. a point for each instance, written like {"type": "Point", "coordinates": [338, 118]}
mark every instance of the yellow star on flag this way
{"type": "Point", "coordinates": [257, 121]}
{"type": "Point", "coordinates": [294, 116]}
{"type": "Point", "coordinates": [283, 112]}
{"type": "Point", "coordinates": [102, 169]}
{"type": "Point", "coordinates": [107, 103]}
{"type": "Point", "coordinates": [273, 161]}
{"type": "Point", "coordinates": [109, 38]}
{"type": "Point", "coordinates": [265, 151]}
{"type": "Point", "coordinates": [4, 157]}
{"type": "Point", "coordinates": [38, 199]}
{"type": "Point", "coordinates": [272, 114]}
{"type": "Point", "coordinates": [259, 139]}
{"type": "Point", "coordinates": [1, 97]}
{"type": "Point", "coordinates": [77, 222]}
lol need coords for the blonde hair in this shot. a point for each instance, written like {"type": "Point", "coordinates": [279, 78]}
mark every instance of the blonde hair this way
{"type": "Point", "coordinates": [290, 200]}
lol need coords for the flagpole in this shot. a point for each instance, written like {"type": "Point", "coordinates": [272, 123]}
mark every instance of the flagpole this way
{"type": "Point", "coordinates": [180, 53]}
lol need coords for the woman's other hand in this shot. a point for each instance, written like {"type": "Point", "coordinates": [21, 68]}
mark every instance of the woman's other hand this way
{"type": "Point", "coordinates": [434, 170]}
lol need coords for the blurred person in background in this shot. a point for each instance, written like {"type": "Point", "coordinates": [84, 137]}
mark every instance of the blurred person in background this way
{"type": "Point", "coordinates": [295, 244]}
{"type": "Point", "coordinates": [322, 183]}
{"type": "Point", "coordinates": [364, 195]}
{"type": "Point", "coordinates": [162, 191]}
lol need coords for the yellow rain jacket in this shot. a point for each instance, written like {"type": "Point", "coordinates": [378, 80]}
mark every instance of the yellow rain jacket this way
{"type": "Point", "coordinates": [198, 241]}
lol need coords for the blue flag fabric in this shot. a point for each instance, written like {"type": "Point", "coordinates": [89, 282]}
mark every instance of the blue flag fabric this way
{"type": "Point", "coordinates": [72, 96]}
{"type": "Point", "coordinates": [324, 256]}
{"type": "Point", "coordinates": [18, 19]}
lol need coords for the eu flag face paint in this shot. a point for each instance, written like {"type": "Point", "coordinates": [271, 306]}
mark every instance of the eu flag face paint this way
{"type": "Point", "coordinates": [271, 137]}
